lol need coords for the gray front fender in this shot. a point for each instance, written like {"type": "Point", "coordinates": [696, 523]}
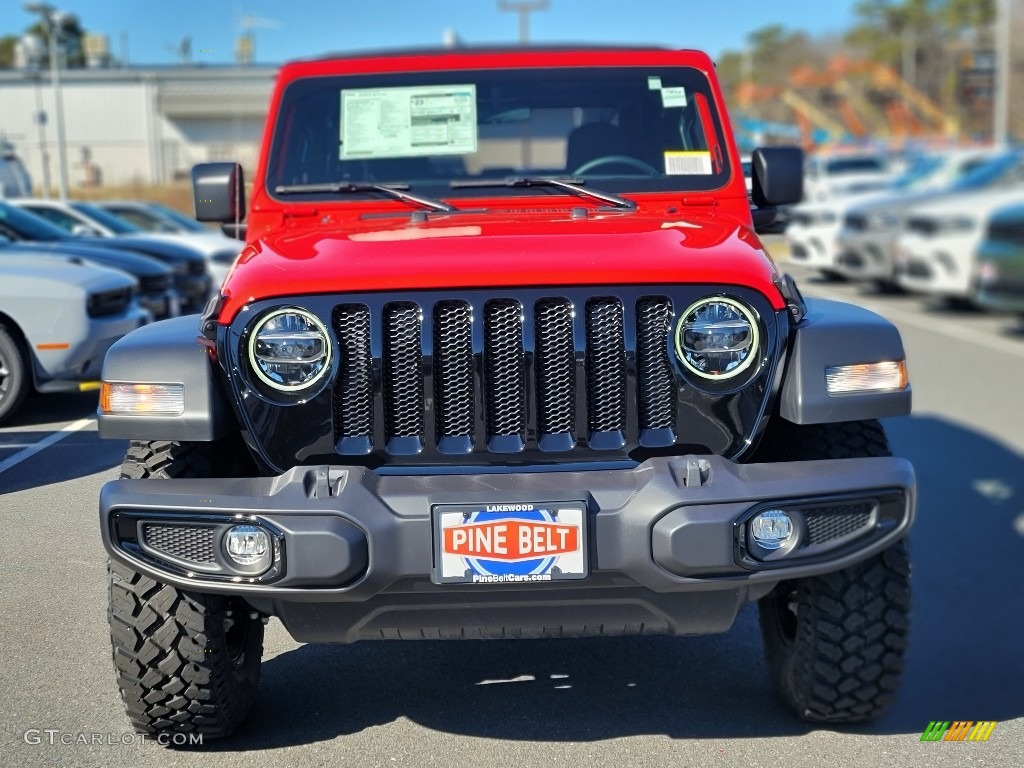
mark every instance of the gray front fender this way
{"type": "Point", "coordinates": [168, 353]}
{"type": "Point", "coordinates": [834, 333]}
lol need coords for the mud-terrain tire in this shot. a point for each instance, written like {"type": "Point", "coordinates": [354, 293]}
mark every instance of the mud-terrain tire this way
{"type": "Point", "coordinates": [166, 459]}
{"type": "Point", "coordinates": [186, 662]}
{"type": "Point", "coordinates": [835, 643]}
{"type": "Point", "coordinates": [15, 381]}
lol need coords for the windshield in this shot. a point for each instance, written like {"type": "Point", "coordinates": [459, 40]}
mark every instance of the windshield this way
{"type": "Point", "coordinates": [21, 225]}
{"type": "Point", "coordinates": [619, 129]}
{"type": "Point", "coordinates": [181, 220]}
{"type": "Point", "coordinates": [108, 220]}
{"type": "Point", "coordinates": [1003, 169]}
{"type": "Point", "coordinates": [838, 166]}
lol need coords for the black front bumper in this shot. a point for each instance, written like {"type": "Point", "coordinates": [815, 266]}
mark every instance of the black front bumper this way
{"type": "Point", "coordinates": [667, 547]}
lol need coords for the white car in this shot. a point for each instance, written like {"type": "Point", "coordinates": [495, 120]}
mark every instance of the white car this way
{"type": "Point", "coordinates": [937, 250]}
{"type": "Point", "coordinates": [812, 233]}
{"type": "Point", "coordinates": [81, 218]}
{"type": "Point", "coordinates": [848, 173]}
{"type": "Point", "coordinates": [58, 318]}
{"type": "Point", "coordinates": [867, 238]}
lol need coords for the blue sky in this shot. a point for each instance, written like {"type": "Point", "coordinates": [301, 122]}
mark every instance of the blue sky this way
{"type": "Point", "coordinates": [293, 29]}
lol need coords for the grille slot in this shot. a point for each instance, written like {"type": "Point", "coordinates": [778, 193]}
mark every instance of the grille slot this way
{"type": "Point", "coordinates": [555, 373]}
{"type": "Point", "coordinates": [454, 392]}
{"type": "Point", "coordinates": [505, 386]}
{"type": "Point", "coordinates": [108, 303]}
{"type": "Point", "coordinates": [155, 283]}
{"type": "Point", "coordinates": [829, 523]}
{"type": "Point", "coordinates": [184, 542]}
{"type": "Point", "coordinates": [655, 381]}
{"type": "Point", "coordinates": [606, 373]}
{"type": "Point", "coordinates": [403, 377]}
{"type": "Point", "coordinates": [353, 392]}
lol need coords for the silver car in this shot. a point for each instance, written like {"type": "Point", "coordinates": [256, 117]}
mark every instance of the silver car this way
{"type": "Point", "coordinates": [57, 320]}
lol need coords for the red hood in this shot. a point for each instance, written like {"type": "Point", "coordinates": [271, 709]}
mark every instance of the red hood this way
{"type": "Point", "coordinates": [501, 248]}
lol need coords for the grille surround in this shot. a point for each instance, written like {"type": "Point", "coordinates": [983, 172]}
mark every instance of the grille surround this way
{"type": "Point", "coordinates": [708, 419]}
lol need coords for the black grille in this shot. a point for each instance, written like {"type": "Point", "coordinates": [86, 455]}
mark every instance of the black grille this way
{"type": "Point", "coordinates": [1007, 232]}
{"type": "Point", "coordinates": [556, 367]}
{"type": "Point", "coordinates": [548, 375]}
{"type": "Point", "coordinates": [492, 383]}
{"type": "Point", "coordinates": [606, 366]}
{"type": "Point", "coordinates": [184, 542]}
{"type": "Point", "coordinates": [856, 222]}
{"type": "Point", "coordinates": [922, 226]}
{"type": "Point", "coordinates": [156, 283]}
{"type": "Point", "coordinates": [403, 376]}
{"type": "Point", "coordinates": [454, 397]}
{"type": "Point", "coordinates": [655, 379]}
{"type": "Point", "coordinates": [503, 368]}
{"type": "Point", "coordinates": [109, 302]}
{"type": "Point", "coordinates": [916, 268]}
{"type": "Point", "coordinates": [831, 523]}
{"type": "Point", "coordinates": [353, 412]}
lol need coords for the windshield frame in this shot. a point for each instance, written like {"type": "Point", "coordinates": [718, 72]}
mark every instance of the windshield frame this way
{"type": "Point", "coordinates": [706, 112]}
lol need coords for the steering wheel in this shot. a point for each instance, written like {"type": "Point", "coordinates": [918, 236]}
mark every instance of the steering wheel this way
{"type": "Point", "coordinates": [633, 162]}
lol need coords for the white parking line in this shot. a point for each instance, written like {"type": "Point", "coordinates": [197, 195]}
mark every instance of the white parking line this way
{"type": "Point", "coordinates": [43, 444]}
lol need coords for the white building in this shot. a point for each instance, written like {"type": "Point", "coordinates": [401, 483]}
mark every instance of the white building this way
{"type": "Point", "coordinates": [136, 125]}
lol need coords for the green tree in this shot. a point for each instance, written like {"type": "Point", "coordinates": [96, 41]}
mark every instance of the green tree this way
{"type": "Point", "coordinates": [7, 43]}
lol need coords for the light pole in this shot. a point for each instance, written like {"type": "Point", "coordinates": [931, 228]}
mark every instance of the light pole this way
{"type": "Point", "coordinates": [41, 126]}
{"type": "Point", "coordinates": [52, 19]}
{"type": "Point", "coordinates": [524, 9]}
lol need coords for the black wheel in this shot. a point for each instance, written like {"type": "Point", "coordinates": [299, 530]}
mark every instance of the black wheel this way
{"type": "Point", "coordinates": [835, 643]}
{"type": "Point", "coordinates": [186, 662]}
{"type": "Point", "coordinates": [14, 374]}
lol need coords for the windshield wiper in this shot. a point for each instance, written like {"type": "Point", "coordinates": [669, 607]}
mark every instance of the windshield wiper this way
{"type": "Point", "coordinates": [568, 184]}
{"type": "Point", "coordinates": [344, 187]}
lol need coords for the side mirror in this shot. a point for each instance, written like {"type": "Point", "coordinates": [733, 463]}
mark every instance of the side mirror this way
{"type": "Point", "coordinates": [218, 192]}
{"type": "Point", "coordinates": [778, 176]}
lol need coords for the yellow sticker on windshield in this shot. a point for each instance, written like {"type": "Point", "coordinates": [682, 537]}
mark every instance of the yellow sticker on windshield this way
{"type": "Point", "coordinates": [688, 164]}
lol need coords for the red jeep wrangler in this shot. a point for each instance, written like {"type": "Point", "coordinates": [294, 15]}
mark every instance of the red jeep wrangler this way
{"type": "Point", "coordinates": [502, 357]}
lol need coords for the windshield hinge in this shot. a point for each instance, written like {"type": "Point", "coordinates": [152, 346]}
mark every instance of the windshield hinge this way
{"type": "Point", "coordinates": [700, 200]}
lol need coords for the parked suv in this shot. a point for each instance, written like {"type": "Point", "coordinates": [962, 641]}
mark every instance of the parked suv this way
{"type": "Point", "coordinates": [503, 357]}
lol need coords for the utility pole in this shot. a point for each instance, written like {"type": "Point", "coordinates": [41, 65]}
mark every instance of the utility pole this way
{"type": "Point", "coordinates": [1001, 113]}
{"type": "Point", "coordinates": [524, 8]}
{"type": "Point", "coordinates": [52, 20]}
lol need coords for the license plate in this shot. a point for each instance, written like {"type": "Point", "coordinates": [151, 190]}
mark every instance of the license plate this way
{"type": "Point", "coordinates": [510, 543]}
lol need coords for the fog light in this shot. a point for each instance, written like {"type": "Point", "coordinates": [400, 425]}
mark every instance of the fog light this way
{"type": "Point", "coordinates": [771, 529]}
{"type": "Point", "coordinates": [248, 545]}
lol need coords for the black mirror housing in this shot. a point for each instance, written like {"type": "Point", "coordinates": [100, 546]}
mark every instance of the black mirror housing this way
{"type": "Point", "coordinates": [778, 176]}
{"type": "Point", "coordinates": [218, 192]}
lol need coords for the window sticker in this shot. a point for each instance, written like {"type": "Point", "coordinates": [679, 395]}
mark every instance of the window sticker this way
{"type": "Point", "coordinates": [408, 122]}
{"type": "Point", "coordinates": [688, 164]}
{"type": "Point", "coordinates": [673, 97]}
{"type": "Point", "coordinates": [654, 83]}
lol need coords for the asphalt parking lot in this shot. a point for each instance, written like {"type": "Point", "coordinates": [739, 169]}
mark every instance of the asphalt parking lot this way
{"type": "Point", "coordinates": [635, 701]}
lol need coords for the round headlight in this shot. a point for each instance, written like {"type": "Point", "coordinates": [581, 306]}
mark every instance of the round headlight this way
{"type": "Point", "coordinates": [289, 349]}
{"type": "Point", "coordinates": [716, 338]}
